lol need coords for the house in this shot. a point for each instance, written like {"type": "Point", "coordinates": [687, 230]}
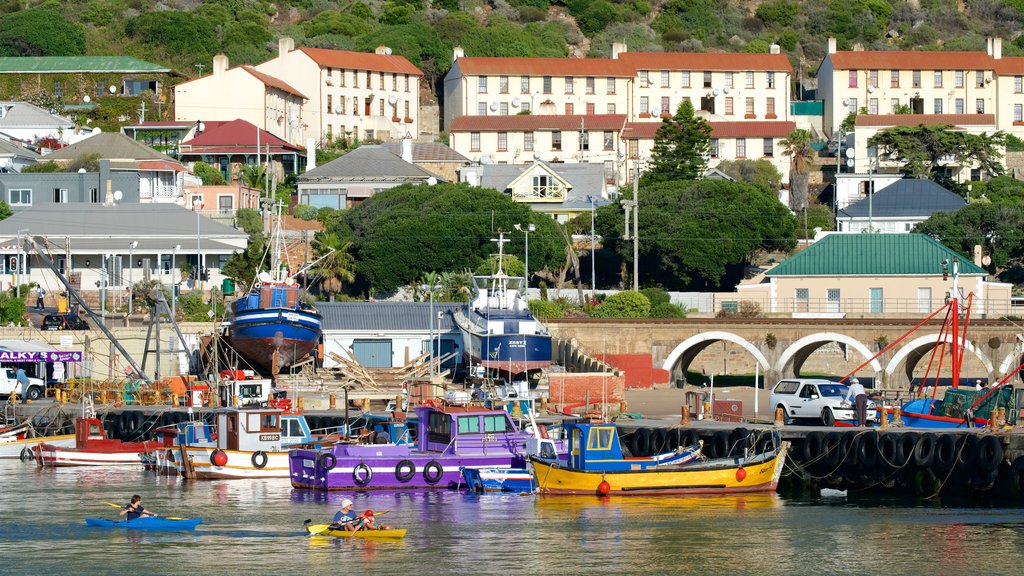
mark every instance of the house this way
{"type": "Point", "coordinates": [14, 156]}
{"type": "Point", "coordinates": [229, 146]}
{"type": "Point", "coordinates": [30, 190]}
{"type": "Point", "coordinates": [30, 124]}
{"type": "Point", "coordinates": [862, 275]}
{"type": "Point", "coordinates": [561, 191]}
{"type": "Point", "coordinates": [898, 207]}
{"type": "Point", "coordinates": [74, 79]}
{"type": "Point", "coordinates": [256, 97]}
{"type": "Point", "coordinates": [123, 241]}
{"type": "Point", "coordinates": [350, 179]}
{"type": "Point", "coordinates": [161, 178]}
{"type": "Point", "coordinates": [351, 95]}
{"type": "Point", "coordinates": [162, 136]}
{"type": "Point", "coordinates": [433, 157]}
{"type": "Point", "coordinates": [221, 202]}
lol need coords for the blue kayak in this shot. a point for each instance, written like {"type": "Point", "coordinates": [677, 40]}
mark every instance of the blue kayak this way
{"type": "Point", "coordinates": [146, 523]}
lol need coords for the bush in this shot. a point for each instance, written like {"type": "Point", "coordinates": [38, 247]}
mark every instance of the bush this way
{"type": "Point", "coordinates": [624, 305]}
{"type": "Point", "coordinates": [667, 310]}
{"type": "Point", "coordinates": [12, 309]}
{"type": "Point", "coordinates": [656, 296]}
{"type": "Point", "coordinates": [546, 309]}
{"type": "Point", "coordinates": [781, 13]}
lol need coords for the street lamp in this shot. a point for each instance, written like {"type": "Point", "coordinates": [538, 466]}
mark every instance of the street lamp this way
{"type": "Point", "coordinates": [199, 254]}
{"type": "Point", "coordinates": [526, 265]}
{"type": "Point", "coordinates": [174, 285]}
{"type": "Point", "coordinates": [593, 281]}
{"type": "Point", "coordinates": [131, 267]}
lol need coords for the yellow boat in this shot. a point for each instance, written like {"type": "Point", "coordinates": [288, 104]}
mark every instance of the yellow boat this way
{"type": "Point", "coordinates": [324, 530]}
{"type": "Point", "coordinates": [595, 465]}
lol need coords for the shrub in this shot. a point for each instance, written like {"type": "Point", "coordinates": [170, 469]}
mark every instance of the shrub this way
{"type": "Point", "coordinates": [624, 305]}
{"type": "Point", "coordinates": [12, 309]}
{"type": "Point", "coordinates": [656, 295]}
{"type": "Point", "coordinates": [667, 310]}
{"type": "Point", "coordinates": [546, 309]}
{"type": "Point", "coordinates": [208, 174]}
{"type": "Point", "coordinates": [781, 13]}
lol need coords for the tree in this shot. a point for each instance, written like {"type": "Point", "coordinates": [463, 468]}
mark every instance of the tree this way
{"type": "Point", "coordinates": [210, 176]}
{"type": "Point", "coordinates": [682, 145]}
{"type": "Point", "coordinates": [42, 31]}
{"type": "Point", "coordinates": [797, 146]}
{"type": "Point", "coordinates": [626, 304]}
{"type": "Point", "coordinates": [5, 210]}
{"type": "Point", "coordinates": [923, 148]}
{"type": "Point", "coordinates": [245, 265]}
{"type": "Point", "coordinates": [249, 221]}
{"type": "Point", "coordinates": [998, 228]}
{"type": "Point", "coordinates": [761, 173]}
{"type": "Point", "coordinates": [338, 267]}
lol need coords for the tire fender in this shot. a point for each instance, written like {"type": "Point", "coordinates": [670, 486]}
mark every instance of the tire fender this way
{"type": "Point", "coordinates": [988, 453]}
{"type": "Point", "coordinates": [432, 472]}
{"type": "Point", "coordinates": [259, 459]}
{"type": "Point", "coordinates": [405, 470]}
{"type": "Point", "coordinates": [361, 474]}
{"type": "Point", "coordinates": [327, 461]}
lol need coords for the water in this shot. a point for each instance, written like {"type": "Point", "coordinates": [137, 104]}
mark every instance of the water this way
{"type": "Point", "coordinates": [255, 527]}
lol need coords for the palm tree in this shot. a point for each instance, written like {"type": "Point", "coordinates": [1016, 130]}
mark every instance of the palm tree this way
{"type": "Point", "coordinates": [338, 267]}
{"type": "Point", "coordinates": [797, 145]}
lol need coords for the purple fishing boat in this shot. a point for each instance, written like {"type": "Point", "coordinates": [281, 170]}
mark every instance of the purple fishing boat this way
{"type": "Point", "coordinates": [447, 438]}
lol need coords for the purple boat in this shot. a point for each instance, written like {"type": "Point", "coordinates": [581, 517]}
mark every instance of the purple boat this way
{"type": "Point", "coordinates": [448, 438]}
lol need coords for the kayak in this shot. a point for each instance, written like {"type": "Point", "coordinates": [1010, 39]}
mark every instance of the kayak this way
{"type": "Point", "coordinates": [146, 523]}
{"type": "Point", "coordinates": [324, 530]}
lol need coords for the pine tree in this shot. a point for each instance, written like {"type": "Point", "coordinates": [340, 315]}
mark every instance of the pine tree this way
{"type": "Point", "coordinates": [682, 146]}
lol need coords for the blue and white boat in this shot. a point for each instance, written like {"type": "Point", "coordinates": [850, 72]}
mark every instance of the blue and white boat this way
{"type": "Point", "coordinates": [498, 330]}
{"type": "Point", "coordinates": [270, 326]}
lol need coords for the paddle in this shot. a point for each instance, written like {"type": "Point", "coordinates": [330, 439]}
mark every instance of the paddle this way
{"type": "Point", "coordinates": [316, 529]}
{"type": "Point", "coordinates": [122, 508]}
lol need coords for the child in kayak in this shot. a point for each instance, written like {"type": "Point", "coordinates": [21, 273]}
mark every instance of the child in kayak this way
{"type": "Point", "coordinates": [135, 509]}
{"type": "Point", "coordinates": [368, 522]}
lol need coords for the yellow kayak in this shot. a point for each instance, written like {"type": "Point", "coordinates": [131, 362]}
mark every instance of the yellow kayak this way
{"type": "Point", "coordinates": [324, 530]}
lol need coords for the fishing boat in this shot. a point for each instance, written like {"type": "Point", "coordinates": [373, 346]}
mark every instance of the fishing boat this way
{"type": "Point", "coordinates": [498, 330]}
{"type": "Point", "coordinates": [269, 325]}
{"type": "Point", "coordinates": [447, 438]}
{"type": "Point", "coordinates": [596, 466]}
{"type": "Point", "coordinates": [92, 447]}
{"type": "Point", "coordinates": [146, 523]}
{"type": "Point", "coordinates": [19, 441]}
{"type": "Point", "coordinates": [325, 530]}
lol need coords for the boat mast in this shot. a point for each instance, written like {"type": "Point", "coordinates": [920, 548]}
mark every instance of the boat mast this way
{"type": "Point", "coordinates": [500, 284]}
{"type": "Point", "coordinates": [275, 256]}
{"type": "Point", "coordinates": [954, 300]}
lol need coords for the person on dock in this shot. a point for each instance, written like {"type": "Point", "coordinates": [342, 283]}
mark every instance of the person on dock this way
{"type": "Point", "coordinates": [135, 509]}
{"type": "Point", "coordinates": [345, 517]}
{"type": "Point", "coordinates": [368, 522]}
{"type": "Point", "coordinates": [860, 399]}
{"type": "Point", "coordinates": [22, 379]}
{"type": "Point", "coordinates": [40, 295]}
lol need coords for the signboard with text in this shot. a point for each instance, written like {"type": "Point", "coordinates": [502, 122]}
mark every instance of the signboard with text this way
{"type": "Point", "coordinates": [55, 356]}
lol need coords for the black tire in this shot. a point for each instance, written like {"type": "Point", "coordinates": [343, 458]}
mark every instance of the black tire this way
{"type": "Point", "coordinates": [814, 445]}
{"type": "Point", "coordinates": [765, 443]}
{"type": "Point", "coordinates": [432, 472]}
{"type": "Point", "coordinates": [925, 483]}
{"type": "Point", "coordinates": [642, 442]}
{"type": "Point", "coordinates": [259, 459]}
{"type": "Point", "coordinates": [739, 440]}
{"type": "Point", "coordinates": [924, 450]}
{"type": "Point", "coordinates": [945, 453]}
{"type": "Point", "coordinates": [1017, 476]}
{"type": "Point", "coordinates": [966, 452]}
{"type": "Point", "coordinates": [689, 438]}
{"type": "Point", "coordinates": [983, 480]}
{"type": "Point", "coordinates": [34, 392]}
{"type": "Point", "coordinates": [361, 474]}
{"type": "Point", "coordinates": [327, 461]}
{"type": "Point", "coordinates": [832, 450]}
{"type": "Point", "coordinates": [827, 417]}
{"type": "Point", "coordinates": [847, 451]}
{"type": "Point", "coordinates": [988, 453]}
{"type": "Point", "coordinates": [658, 441]}
{"type": "Point", "coordinates": [672, 439]}
{"type": "Point", "coordinates": [867, 449]}
{"type": "Point", "coordinates": [889, 452]}
{"type": "Point", "coordinates": [905, 444]}
{"type": "Point", "coordinates": [719, 444]}
{"type": "Point", "coordinates": [405, 470]}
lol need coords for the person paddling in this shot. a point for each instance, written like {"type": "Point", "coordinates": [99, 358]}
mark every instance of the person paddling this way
{"type": "Point", "coordinates": [345, 518]}
{"type": "Point", "coordinates": [135, 509]}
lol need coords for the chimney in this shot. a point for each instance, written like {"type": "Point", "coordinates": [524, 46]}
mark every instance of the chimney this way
{"type": "Point", "coordinates": [457, 53]}
{"type": "Point", "coordinates": [310, 154]}
{"type": "Point", "coordinates": [774, 49]}
{"type": "Point", "coordinates": [977, 255]}
{"type": "Point", "coordinates": [285, 44]}
{"type": "Point", "coordinates": [995, 47]}
{"type": "Point", "coordinates": [407, 148]}
{"type": "Point", "coordinates": [381, 50]}
{"type": "Point", "coordinates": [618, 48]}
{"type": "Point", "coordinates": [830, 46]}
{"type": "Point", "coordinates": [220, 64]}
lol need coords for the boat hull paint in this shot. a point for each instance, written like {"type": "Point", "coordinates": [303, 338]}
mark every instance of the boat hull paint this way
{"type": "Point", "coordinates": [513, 353]}
{"type": "Point", "coordinates": [14, 447]}
{"type": "Point", "coordinates": [258, 334]}
{"type": "Point", "coordinates": [498, 479]}
{"type": "Point", "coordinates": [146, 523]}
{"type": "Point", "coordinates": [49, 455]}
{"type": "Point", "coordinates": [711, 477]}
{"type": "Point", "coordinates": [393, 534]}
{"type": "Point", "coordinates": [239, 464]}
{"type": "Point", "coordinates": [915, 414]}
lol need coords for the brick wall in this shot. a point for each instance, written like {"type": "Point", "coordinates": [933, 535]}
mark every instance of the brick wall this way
{"type": "Point", "coordinates": [638, 369]}
{"type": "Point", "coordinates": [572, 388]}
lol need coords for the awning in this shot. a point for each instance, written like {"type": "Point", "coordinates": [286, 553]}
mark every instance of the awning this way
{"type": "Point", "coordinates": [35, 351]}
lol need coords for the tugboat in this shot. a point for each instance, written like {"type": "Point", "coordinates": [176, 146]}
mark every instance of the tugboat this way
{"type": "Point", "coordinates": [498, 330]}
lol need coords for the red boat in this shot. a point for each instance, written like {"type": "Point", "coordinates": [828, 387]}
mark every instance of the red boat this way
{"type": "Point", "coordinates": [92, 448]}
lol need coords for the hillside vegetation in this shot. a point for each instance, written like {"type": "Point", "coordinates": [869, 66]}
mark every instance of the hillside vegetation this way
{"type": "Point", "coordinates": [186, 34]}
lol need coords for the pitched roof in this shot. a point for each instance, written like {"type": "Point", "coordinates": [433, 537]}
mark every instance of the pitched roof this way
{"type": "Point", "coordinates": [530, 122]}
{"type": "Point", "coordinates": [1010, 65]}
{"type": "Point", "coordinates": [928, 119]}
{"type": "Point", "coordinates": [908, 197]}
{"type": "Point", "coordinates": [79, 64]}
{"type": "Point", "coordinates": [235, 136]}
{"type": "Point", "coordinates": [25, 115]}
{"type": "Point", "coordinates": [156, 124]}
{"type": "Point", "coordinates": [109, 145]}
{"type": "Point", "coordinates": [493, 66]}
{"type": "Point", "coordinates": [361, 61]}
{"type": "Point", "coordinates": [423, 152]}
{"type": "Point", "coordinates": [910, 60]}
{"type": "Point", "coordinates": [583, 180]}
{"type": "Point", "coordinates": [269, 80]}
{"type": "Point", "coordinates": [8, 148]}
{"type": "Point", "coordinates": [125, 220]}
{"type": "Point", "coordinates": [386, 316]}
{"type": "Point", "coordinates": [740, 129]}
{"type": "Point", "coordinates": [841, 254]}
{"type": "Point", "coordinates": [368, 163]}
{"type": "Point", "coordinates": [709, 61]}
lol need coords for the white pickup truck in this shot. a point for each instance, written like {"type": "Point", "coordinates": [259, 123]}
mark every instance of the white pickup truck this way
{"type": "Point", "coordinates": [9, 383]}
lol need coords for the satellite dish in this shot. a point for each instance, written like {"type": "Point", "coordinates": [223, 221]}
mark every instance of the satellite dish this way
{"type": "Point", "coordinates": [715, 92]}
{"type": "Point", "coordinates": [849, 163]}
{"type": "Point", "coordinates": [81, 170]}
{"type": "Point", "coordinates": [118, 195]}
{"type": "Point", "coordinates": [726, 89]}
{"type": "Point", "coordinates": [846, 101]}
{"type": "Point", "coordinates": [392, 99]}
{"type": "Point", "coordinates": [850, 152]}
{"type": "Point", "coordinates": [986, 260]}
{"type": "Point", "coordinates": [485, 159]}
{"type": "Point", "coordinates": [516, 102]}
{"type": "Point", "coordinates": [494, 106]}
{"type": "Point", "coordinates": [387, 51]}
{"type": "Point", "coordinates": [656, 111]}
{"type": "Point", "coordinates": [86, 99]}
{"type": "Point", "coordinates": [870, 89]}
{"type": "Point", "coordinates": [536, 155]}
{"type": "Point", "coordinates": [113, 89]}
{"type": "Point", "coordinates": [431, 181]}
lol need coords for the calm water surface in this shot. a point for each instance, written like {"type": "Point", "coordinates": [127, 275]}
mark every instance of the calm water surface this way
{"type": "Point", "coordinates": [255, 527]}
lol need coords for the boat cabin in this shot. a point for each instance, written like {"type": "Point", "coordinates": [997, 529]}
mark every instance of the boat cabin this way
{"type": "Point", "coordinates": [195, 433]}
{"type": "Point", "coordinates": [266, 429]}
{"type": "Point", "coordinates": [88, 429]}
{"type": "Point", "coordinates": [595, 447]}
{"type": "Point", "coordinates": [468, 430]}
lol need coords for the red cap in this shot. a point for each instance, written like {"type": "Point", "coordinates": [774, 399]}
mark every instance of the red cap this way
{"type": "Point", "coordinates": [368, 513]}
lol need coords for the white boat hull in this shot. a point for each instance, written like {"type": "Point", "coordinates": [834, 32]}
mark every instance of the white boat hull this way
{"type": "Point", "coordinates": [240, 464]}
{"type": "Point", "coordinates": [15, 448]}
{"type": "Point", "coordinates": [56, 456]}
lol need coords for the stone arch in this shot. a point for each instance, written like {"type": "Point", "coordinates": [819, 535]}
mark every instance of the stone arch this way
{"type": "Point", "coordinates": [1011, 361]}
{"type": "Point", "coordinates": [688, 349]}
{"type": "Point", "coordinates": [921, 345]}
{"type": "Point", "coordinates": [798, 351]}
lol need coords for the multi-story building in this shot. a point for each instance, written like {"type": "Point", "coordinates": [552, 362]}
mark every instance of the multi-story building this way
{"type": "Point", "coordinates": [866, 159]}
{"type": "Point", "coordinates": [351, 95]}
{"type": "Point", "coordinates": [243, 93]}
{"type": "Point", "coordinates": [80, 79]}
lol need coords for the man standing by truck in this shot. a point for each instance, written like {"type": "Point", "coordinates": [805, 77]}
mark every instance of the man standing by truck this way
{"type": "Point", "coordinates": [23, 380]}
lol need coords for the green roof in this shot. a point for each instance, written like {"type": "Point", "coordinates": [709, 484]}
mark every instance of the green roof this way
{"type": "Point", "coordinates": [76, 64]}
{"type": "Point", "coordinates": [873, 255]}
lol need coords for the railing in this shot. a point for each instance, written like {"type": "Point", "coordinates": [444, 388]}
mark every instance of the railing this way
{"type": "Point", "coordinates": [886, 306]}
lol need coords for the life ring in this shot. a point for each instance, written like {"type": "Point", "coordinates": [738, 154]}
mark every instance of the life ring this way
{"type": "Point", "coordinates": [362, 474]}
{"type": "Point", "coordinates": [720, 444]}
{"type": "Point", "coordinates": [642, 442]}
{"type": "Point", "coordinates": [867, 449]}
{"type": "Point", "coordinates": [924, 450]}
{"type": "Point", "coordinates": [26, 454]}
{"type": "Point", "coordinates": [989, 453]}
{"type": "Point", "coordinates": [327, 461]}
{"type": "Point", "coordinates": [945, 452]}
{"type": "Point", "coordinates": [259, 459]}
{"type": "Point", "coordinates": [405, 470]}
{"type": "Point", "coordinates": [432, 472]}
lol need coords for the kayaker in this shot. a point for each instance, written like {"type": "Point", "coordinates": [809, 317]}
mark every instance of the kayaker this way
{"type": "Point", "coordinates": [345, 518]}
{"type": "Point", "coordinates": [368, 522]}
{"type": "Point", "coordinates": [135, 509]}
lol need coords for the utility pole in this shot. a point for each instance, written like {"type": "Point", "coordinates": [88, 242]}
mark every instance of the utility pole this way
{"type": "Point", "coordinates": [633, 206]}
{"type": "Point", "coordinates": [142, 112]}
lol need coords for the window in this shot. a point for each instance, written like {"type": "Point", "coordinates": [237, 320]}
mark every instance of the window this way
{"type": "Point", "coordinates": [979, 79]}
{"type": "Point", "coordinates": [341, 105]}
{"type": "Point", "coordinates": [741, 147]}
{"type": "Point", "coordinates": [58, 89]}
{"type": "Point", "coordinates": [665, 106]}
{"type": "Point", "coordinates": [851, 78]}
{"type": "Point", "coordinates": [601, 438]}
{"type": "Point", "coordinates": [610, 85]}
{"type": "Point", "coordinates": [394, 82]}
{"type": "Point", "coordinates": [19, 197]}
{"type": "Point", "coordinates": [590, 84]}
{"type": "Point", "coordinates": [1018, 112]}
{"type": "Point", "coordinates": [632, 150]}
{"type": "Point", "coordinates": [728, 106]}
{"type": "Point", "coordinates": [728, 80]}
{"type": "Point", "coordinates": [525, 106]}
{"type": "Point", "coordinates": [832, 300]}
{"type": "Point", "coordinates": [547, 84]}
{"type": "Point", "coordinates": [355, 106]}
{"type": "Point", "coordinates": [714, 147]}
{"type": "Point", "coordinates": [610, 108]}
{"type": "Point", "coordinates": [101, 88]}
{"type": "Point", "coordinates": [643, 79]}
{"type": "Point", "coordinates": [381, 107]}
{"type": "Point", "coordinates": [609, 140]}
{"type": "Point", "coordinates": [481, 85]}
{"type": "Point", "coordinates": [894, 105]}
{"type": "Point", "coordinates": [707, 79]}
{"type": "Point", "coordinates": [876, 300]}
{"type": "Point", "coordinates": [556, 140]}
{"type": "Point", "coordinates": [1018, 84]}
{"type": "Point", "coordinates": [644, 105]}
{"type": "Point", "coordinates": [664, 78]}
{"type": "Point", "coordinates": [769, 147]}
{"type": "Point", "coordinates": [502, 109]}
{"type": "Point", "coordinates": [749, 108]}
{"type": "Point", "coordinates": [937, 79]}
{"type": "Point", "coordinates": [569, 109]}
{"type": "Point", "coordinates": [469, 424]}
{"type": "Point", "coordinates": [407, 109]}
{"type": "Point", "coordinates": [770, 77]}
{"type": "Point", "coordinates": [584, 140]}
{"type": "Point", "coordinates": [524, 85]}
{"type": "Point", "coordinates": [937, 108]}
{"type": "Point", "coordinates": [915, 79]}
{"type": "Point", "coordinates": [528, 141]}
{"type": "Point", "coordinates": [503, 84]}
{"type": "Point", "coordinates": [569, 85]}
{"type": "Point", "coordinates": [749, 83]}
{"type": "Point", "coordinates": [481, 108]}
{"type": "Point", "coordinates": [330, 107]}
{"type": "Point", "coordinates": [686, 79]}
{"type": "Point", "coordinates": [369, 77]}
{"type": "Point", "coordinates": [980, 105]}
{"type": "Point", "coordinates": [802, 300]}
{"type": "Point", "coordinates": [958, 106]}
{"type": "Point", "coordinates": [474, 141]}
{"type": "Point", "coordinates": [924, 299]}
{"type": "Point", "coordinates": [355, 79]}
{"type": "Point", "coordinates": [94, 195]}
{"type": "Point", "coordinates": [496, 423]}
{"type": "Point", "coordinates": [873, 78]}
{"type": "Point", "coordinates": [853, 106]}
{"type": "Point", "coordinates": [60, 195]}
{"type": "Point", "coordinates": [502, 141]}
{"type": "Point", "coordinates": [958, 79]}
{"type": "Point", "coordinates": [225, 205]}
{"type": "Point", "coordinates": [771, 109]}
{"type": "Point", "coordinates": [894, 79]}
{"type": "Point", "coordinates": [872, 105]}
{"type": "Point", "coordinates": [590, 109]}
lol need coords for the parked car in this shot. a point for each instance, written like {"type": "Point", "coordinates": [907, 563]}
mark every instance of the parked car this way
{"type": "Point", "coordinates": [64, 322]}
{"type": "Point", "coordinates": [817, 399]}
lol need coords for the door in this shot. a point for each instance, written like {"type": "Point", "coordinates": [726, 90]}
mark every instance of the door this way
{"type": "Point", "coordinates": [373, 353]}
{"type": "Point", "coordinates": [876, 300]}
{"type": "Point", "coordinates": [924, 300]}
{"type": "Point", "coordinates": [443, 347]}
{"type": "Point", "coordinates": [232, 439]}
{"type": "Point", "coordinates": [832, 304]}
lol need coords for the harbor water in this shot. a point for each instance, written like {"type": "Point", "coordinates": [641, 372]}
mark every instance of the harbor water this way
{"type": "Point", "coordinates": [255, 527]}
